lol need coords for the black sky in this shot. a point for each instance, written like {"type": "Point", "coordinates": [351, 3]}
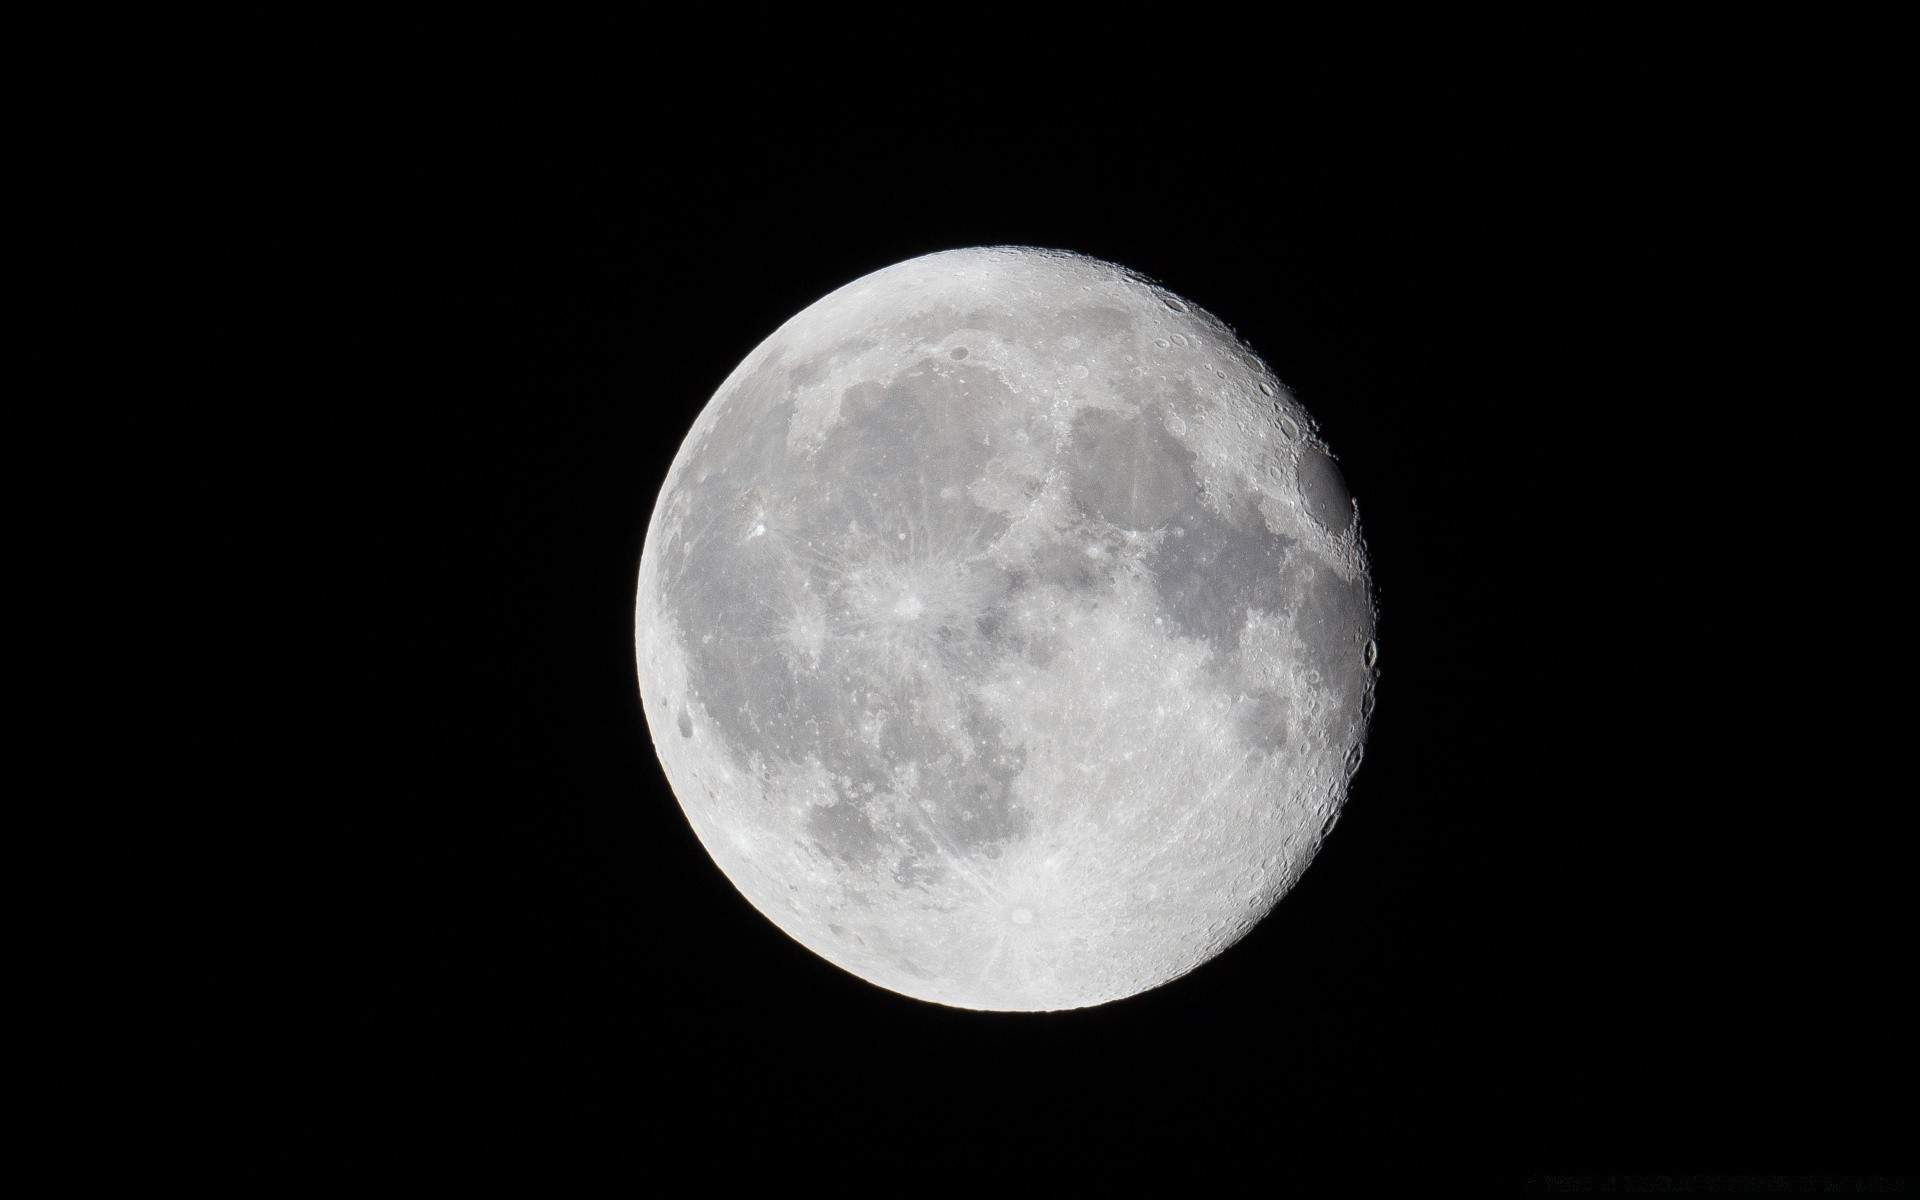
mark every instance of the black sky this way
{"type": "Point", "coordinates": [1573, 918]}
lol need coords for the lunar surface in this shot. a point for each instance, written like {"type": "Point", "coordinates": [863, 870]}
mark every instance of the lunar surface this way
{"type": "Point", "coordinates": [1005, 631]}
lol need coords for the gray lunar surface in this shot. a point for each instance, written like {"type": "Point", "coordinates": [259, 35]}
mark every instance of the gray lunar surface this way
{"type": "Point", "coordinates": [1005, 631]}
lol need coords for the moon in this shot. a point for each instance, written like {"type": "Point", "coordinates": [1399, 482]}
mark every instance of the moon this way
{"type": "Point", "coordinates": [1005, 630]}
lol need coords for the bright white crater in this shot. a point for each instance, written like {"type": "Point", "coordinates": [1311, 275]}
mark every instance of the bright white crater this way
{"type": "Point", "coordinates": [1005, 631]}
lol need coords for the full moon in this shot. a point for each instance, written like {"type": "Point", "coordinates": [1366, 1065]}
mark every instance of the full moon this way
{"type": "Point", "coordinates": [1004, 628]}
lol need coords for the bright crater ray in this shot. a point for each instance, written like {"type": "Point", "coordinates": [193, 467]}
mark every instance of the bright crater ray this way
{"type": "Point", "coordinates": [1005, 631]}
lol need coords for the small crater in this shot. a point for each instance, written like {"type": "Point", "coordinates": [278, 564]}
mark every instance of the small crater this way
{"type": "Point", "coordinates": [686, 724]}
{"type": "Point", "coordinates": [959, 351]}
{"type": "Point", "coordinates": [1023, 916]}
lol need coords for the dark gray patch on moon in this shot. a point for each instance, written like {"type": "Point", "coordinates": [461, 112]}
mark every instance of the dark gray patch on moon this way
{"type": "Point", "coordinates": [1128, 471]}
{"type": "Point", "coordinates": [1325, 491]}
{"type": "Point", "coordinates": [934, 426]}
{"type": "Point", "coordinates": [1260, 720]}
{"type": "Point", "coordinates": [844, 832]}
{"type": "Point", "coordinates": [1210, 573]}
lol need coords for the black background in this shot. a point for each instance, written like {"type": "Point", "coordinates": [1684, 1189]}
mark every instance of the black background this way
{"type": "Point", "coordinates": [1590, 906]}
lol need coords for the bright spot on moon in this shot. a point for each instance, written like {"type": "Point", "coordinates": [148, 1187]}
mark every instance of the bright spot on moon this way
{"type": "Point", "coordinates": [1005, 631]}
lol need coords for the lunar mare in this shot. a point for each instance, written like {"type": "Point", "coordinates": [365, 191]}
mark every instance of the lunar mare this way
{"type": "Point", "coordinates": [1005, 631]}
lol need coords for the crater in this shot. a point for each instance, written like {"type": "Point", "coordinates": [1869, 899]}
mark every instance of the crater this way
{"type": "Point", "coordinates": [1325, 492]}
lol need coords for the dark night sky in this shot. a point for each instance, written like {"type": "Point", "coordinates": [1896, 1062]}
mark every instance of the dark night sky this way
{"type": "Point", "coordinates": [1564, 924]}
